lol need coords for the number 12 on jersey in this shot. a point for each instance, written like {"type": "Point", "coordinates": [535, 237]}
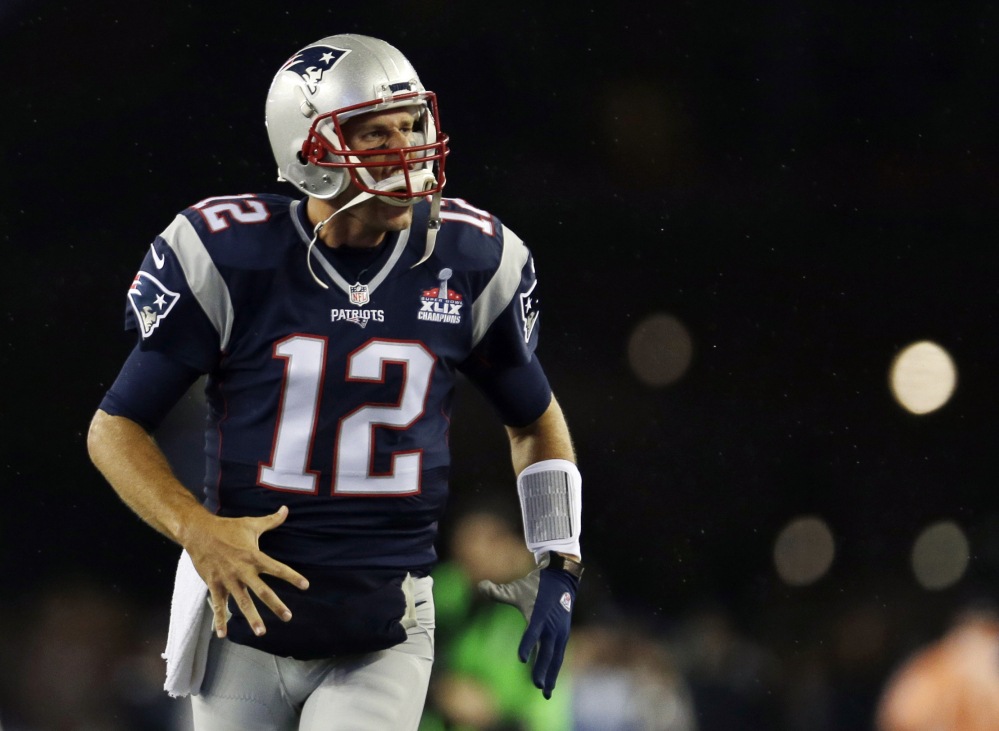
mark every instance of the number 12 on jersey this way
{"type": "Point", "coordinates": [353, 460]}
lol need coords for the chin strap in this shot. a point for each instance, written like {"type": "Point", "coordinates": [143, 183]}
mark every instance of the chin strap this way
{"type": "Point", "coordinates": [360, 198]}
{"type": "Point", "coordinates": [433, 226]}
{"type": "Point", "coordinates": [418, 177]}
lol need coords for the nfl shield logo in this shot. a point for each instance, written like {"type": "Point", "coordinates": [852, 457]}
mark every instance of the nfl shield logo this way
{"type": "Point", "coordinates": [359, 294]}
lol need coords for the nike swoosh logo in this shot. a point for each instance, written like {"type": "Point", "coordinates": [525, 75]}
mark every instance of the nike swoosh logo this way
{"type": "Point", "coordinates": [420, 604]}
{"type": "Point", "coordinates": [157, 259]}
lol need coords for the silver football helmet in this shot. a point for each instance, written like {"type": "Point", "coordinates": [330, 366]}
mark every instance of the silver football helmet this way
{"type": "Point", "coordinates": [337, 78]}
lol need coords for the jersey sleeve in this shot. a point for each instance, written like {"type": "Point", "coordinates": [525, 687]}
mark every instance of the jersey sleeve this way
{"type": "Point", "coordinates": [503, 365]}
{"type": "Point", "coordinates": [505, 314]}
{"type": "Point", "coordinates": [178, 303]}
{"type": "Point", "coordinates": [520, 394]}
{"type": "Point", "coordinates": [147, 388]}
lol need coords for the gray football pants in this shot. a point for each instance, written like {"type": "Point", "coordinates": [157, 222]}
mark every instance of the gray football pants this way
{"type": "Point", "coordinates": [249, 690]}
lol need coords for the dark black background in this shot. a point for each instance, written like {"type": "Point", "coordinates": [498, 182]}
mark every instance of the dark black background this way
{"type": "Point", "coordinates": [808, 186]}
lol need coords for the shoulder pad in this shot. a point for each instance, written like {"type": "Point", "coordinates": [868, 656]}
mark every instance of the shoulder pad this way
{"type": "Point", "coordinates": [240, 231]}
{"type": "Point", "coordinates": [217, 238]}
{"type": "Point", "coordinates": [458, 209]}
{"type": "Point", "coordinates": [472, 235]}
{"type": "Point", "coordinates": [223, 213]}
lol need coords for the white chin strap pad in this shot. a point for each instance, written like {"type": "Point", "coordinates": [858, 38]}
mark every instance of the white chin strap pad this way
{"type": "Point", "coordinates": [420, 180]}
{"type": "Point", "coordinates": [551, 504]}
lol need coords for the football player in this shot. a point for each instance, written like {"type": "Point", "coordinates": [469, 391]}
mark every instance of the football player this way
{"type": "Point", "coordinates": [332, 328]}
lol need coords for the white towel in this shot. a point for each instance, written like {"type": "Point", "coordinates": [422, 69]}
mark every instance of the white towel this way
{"type": "Point", "coordinates": [191, 627]}
{"type": "Point", "coordinates": [408, 620]}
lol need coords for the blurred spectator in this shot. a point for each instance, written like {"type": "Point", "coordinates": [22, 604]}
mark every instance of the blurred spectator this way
{"type": "Point", "coordinates": [624, 680]}
{"type": "Point", "coordinates": [953, 685]}
{"type": "Point", "coordinates": [139, 679]}
{"type": "Point", "coordinates": [730, 675]}
{"type": "Point", "coordinates": [68, 658]}
{"type": "Point", "coordinates": [860, 664]}
{"type": "Point", "coordinates": [615, 678]}
{"type": "Point", "coordinates": [480, 683]}
{"type": "Point", "coordinates": [79, 663]}
{"type": "Point", "coordinates": [809, 697]}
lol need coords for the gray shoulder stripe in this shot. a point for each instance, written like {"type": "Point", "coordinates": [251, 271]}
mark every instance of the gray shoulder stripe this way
{"type": "Point", "coordinates": [206, 284]}
{"type": "Point", "coordinates": [501, 288]}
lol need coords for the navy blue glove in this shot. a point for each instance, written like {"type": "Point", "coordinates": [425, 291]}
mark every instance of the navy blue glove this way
{"type": "Point", "coordinates": [546, 598]}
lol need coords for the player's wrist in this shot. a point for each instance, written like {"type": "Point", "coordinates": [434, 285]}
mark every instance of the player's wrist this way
{"type": "Point", "coordinates": [551, 504]}
{"type": "Point", "coordinates": [559, 562]}
{"type": "Point", "coordinates": [569, 555]}
{"type": "Point", "coordinates": [191, 524]}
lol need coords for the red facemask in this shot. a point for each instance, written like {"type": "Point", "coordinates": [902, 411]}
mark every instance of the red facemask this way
{"type": "Point", "coordinates": [318, 147]}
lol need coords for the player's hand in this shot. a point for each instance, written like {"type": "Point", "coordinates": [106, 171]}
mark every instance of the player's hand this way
{"type": "Point", "coordinates": [545, 597]}
{"type": "Point", "coordinates": [225, 552]}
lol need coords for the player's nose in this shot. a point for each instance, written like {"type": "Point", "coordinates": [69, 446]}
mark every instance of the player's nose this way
{"type": "Point", "coordinates": [402, 138]}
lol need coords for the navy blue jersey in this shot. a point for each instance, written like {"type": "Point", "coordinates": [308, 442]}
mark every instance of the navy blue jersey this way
{"type": "Point", "coordinates": [335, 402]}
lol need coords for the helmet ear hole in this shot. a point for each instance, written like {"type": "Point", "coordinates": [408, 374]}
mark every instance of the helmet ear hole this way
{"type": "Point", "coordinates": [301, 158]}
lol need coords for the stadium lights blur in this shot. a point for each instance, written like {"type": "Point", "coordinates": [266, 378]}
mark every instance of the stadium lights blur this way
{"type": "Point", "coordinates": [660, 350]}
{"type": "Point", "coordinates": [940, 555]}
{"type": "Point", "coordinates": [804, 551]}
{"type": "Point", "coordinates": [922, 377]}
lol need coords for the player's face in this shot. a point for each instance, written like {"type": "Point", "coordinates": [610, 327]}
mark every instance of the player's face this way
{"type": "Point", "coordinates": [390, 129]}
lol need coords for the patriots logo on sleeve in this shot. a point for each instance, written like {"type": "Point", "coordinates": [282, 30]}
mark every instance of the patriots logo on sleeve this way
{"type": "Point", "coordinates": [151, 300]}
{"type": "Point", "coordinates": [311, 63]}
{"type": "Point", "coordinates": [529, 311]}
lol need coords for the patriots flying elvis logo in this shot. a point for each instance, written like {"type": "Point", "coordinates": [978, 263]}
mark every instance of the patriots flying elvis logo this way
{"type": "Point", "coordinates": [311, 63]}
{"type": "Point", "coordinates": [529, 311]}
{"type": "Point", "coordinates": [151, 301]}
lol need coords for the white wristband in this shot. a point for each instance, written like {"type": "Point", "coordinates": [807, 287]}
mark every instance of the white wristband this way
{"type": "Point", "coordinates": [551, 505]}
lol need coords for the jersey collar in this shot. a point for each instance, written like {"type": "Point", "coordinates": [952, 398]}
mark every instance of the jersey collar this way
{"type": "Point", "coordinates": [298, 214]}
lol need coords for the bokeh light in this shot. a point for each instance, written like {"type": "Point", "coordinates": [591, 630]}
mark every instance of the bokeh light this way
{"type": "Point", "coordinates": [660, 350]}
{"type": "Point", "coordinates": [940, 555]}
{"type": "Point", "coordinates": [923, 377]}
{"type": "Point", "coordinates": [804, 551]}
